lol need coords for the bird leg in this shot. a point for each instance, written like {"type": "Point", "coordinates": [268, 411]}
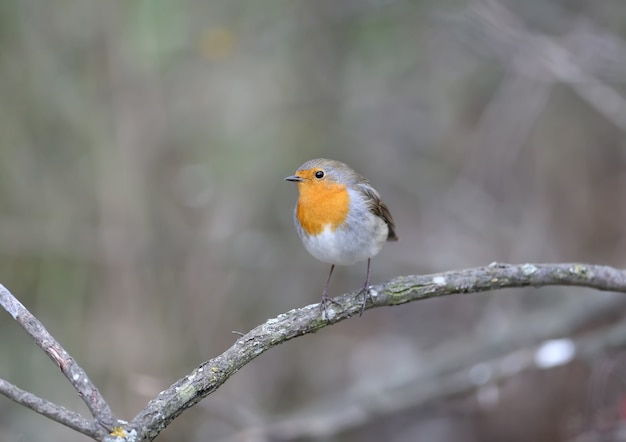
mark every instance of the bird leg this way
{"type": "Point", "coordinates": [366, 288]}
{"type": "Point", "coordinates": [325, 298]}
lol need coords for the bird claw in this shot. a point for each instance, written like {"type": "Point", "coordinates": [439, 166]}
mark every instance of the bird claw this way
{"type": "Point", "coordinates": [324, 305]}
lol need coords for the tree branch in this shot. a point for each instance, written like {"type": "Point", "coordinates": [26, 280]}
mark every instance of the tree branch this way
{"type": "Point", "coordinates": [51, 410]}
{"type": "Point", "coordinates": [87, 391]}
{"type": "Point", "coordinates": [212, 374]}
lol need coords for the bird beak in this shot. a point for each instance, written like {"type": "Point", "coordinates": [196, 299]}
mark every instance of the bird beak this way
{"type": "Point", "coordinates": [294, 178]}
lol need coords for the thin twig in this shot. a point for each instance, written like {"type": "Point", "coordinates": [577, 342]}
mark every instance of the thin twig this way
{"type": "Point", "coordinates": [51, 410]}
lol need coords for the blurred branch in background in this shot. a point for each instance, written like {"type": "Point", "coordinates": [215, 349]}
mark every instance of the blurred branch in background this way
{"type": "Point", "coordinates": [533, 64]}
{"type": "Point", "coordinates": [581, 59]}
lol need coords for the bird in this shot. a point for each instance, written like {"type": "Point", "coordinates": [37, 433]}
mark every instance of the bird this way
{"type": "Point", "coordinates": [340, 218]}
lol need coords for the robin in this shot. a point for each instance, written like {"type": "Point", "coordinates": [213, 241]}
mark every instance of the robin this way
{"type": "Point", "coordinates": [340, 217]}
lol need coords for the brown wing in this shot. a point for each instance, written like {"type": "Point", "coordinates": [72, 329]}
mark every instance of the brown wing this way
{"type": "Point", "coordinates": [380, 209]}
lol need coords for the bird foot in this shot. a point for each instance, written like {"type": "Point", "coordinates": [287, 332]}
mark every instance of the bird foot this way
{"type": "Point", "coordinates": [326, 300]}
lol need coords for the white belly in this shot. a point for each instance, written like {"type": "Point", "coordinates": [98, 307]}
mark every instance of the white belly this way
{"type": "Point", "coordinates": [348, 246]}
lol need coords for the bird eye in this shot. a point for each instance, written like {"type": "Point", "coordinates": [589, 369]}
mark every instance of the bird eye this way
{"type": "Point", "coordinates": [319, 174]}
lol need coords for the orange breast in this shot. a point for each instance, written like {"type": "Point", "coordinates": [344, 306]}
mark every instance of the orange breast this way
{"type": "Point", "coordinates": [321, 204]}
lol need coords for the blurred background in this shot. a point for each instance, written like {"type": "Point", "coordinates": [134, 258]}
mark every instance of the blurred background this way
{"type": "Point", "coordinates": [144, 216]}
